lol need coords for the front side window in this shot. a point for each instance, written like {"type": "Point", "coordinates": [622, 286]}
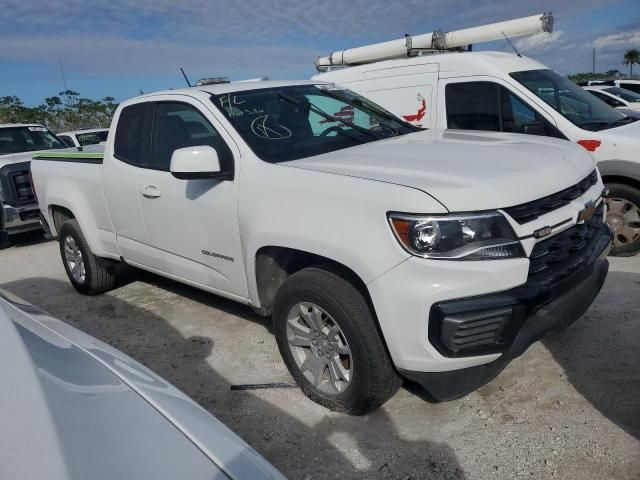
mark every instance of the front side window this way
{"type": "Point", "coordinates": [609, 100]}
{"type": "Point", "coordinates": [572, 102]}
{"type": "Point", "coordinates": [287, 123]}
{"type": "Point", "coordinates": [490, 106]}
{"type": "Point", "coordinates": [179, 125]}
{"type": "Point", "coordinates": [133, 131]}
{"type": "Point", "coordinates": [27, 139]}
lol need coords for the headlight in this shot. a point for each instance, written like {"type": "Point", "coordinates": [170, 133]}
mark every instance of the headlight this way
{"type": "Point", "coordinates": [484, 236]}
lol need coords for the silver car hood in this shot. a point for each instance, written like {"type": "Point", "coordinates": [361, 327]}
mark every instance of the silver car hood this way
{"type": "Point", "coordinates": [73, 407]}
{"type": "Point", "coordinates": [464, 170]}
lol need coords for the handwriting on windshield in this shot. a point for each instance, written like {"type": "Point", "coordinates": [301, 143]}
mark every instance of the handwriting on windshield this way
{"type": "Point", "coordinates": [261, 128]}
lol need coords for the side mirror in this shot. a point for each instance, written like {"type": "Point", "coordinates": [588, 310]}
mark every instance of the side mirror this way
{"type": "Point", "coordinates": [193, 163]}
{"type": "Point", "coordinates": [534, 128]}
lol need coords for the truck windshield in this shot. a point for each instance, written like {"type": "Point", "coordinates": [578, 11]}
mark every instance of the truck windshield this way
{"type": "Point", "coordinates": [575, 104]}
{"type": "Point", "coordinates": [624, 94]}
{"type": "Point", "coordinates": [27, 139]}
{"type": "Point", "coordinates": [292, 122]}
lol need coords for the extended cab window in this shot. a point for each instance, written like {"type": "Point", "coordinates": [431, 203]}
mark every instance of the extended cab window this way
{"type": "Point", "coordinates": [179, 125]}
{"type": "Point", "coordinates": [133, 133]}
{"type": "Point", "coordinates": [492, 107]}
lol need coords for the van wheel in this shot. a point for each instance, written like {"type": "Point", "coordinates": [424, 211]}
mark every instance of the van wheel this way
{"type": "Point", "coordinates": [623, 216]}
{"type": "Point", "coordinates": [88, 274]}
{"type": "Point", "coordinates": [328, 339]}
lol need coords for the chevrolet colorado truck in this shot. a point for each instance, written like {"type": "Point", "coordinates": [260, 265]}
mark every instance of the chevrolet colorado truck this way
{"type": "Point", "coordinates": [381, 251]}
{"type": "Point", "coordinates": [19, 212]}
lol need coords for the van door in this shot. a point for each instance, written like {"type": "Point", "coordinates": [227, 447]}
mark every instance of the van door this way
{"type": "Point", "coordinates": [407, 92]}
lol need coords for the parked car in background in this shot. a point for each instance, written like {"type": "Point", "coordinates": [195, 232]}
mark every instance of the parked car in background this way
{"type": "Point", "coordinates": [379, 249]}
{"type": "Point", "coordinates": [628, 84]}
{"type": "Point", "coordinates": [74, 408]}
{"type": "Point", "coordinates": [84, 137]}
{"type": "Point", "coordinates": [19, 212]}
{"type": "Point", "coordinates": [503, 92]}
{"type": "Point", "coordinates": [620, 98]}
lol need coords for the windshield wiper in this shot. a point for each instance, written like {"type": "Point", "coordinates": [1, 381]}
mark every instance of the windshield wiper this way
{"type": "Point", "coordinates": [623, 121]}
{"type": "Point", "coordinates": [597, 125]}
{"type": "Point", "coordinates": [327, 116]}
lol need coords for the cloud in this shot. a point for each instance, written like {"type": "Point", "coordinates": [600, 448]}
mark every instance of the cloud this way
{"type": "Point", "coordinates": [537, 42]}
{"type": "Point", "coordinates": [630, 39]}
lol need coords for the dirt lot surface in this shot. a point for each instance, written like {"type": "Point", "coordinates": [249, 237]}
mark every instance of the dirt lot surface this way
{"type": "Point", "coordinates": [568, 408]}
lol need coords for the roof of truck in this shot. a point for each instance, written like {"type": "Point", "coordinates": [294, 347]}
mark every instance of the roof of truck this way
{"type": "Point", "coordinates": [221, 88]}
{"type": "Point", "coordinates": [450, 63]}
{"type": "Point", "coordinates": [13, 125]}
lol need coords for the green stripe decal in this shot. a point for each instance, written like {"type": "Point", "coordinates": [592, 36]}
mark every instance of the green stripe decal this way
{"type": "Point", "coordinates": [89, 155]}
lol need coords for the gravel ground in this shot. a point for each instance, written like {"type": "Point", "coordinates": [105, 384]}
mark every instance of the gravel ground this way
{"type": "Point", "coordinates": [568, 408]}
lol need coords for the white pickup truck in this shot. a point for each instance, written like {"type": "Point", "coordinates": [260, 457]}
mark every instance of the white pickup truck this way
{"type": "Point", "coordinates": [18, 207]}
{"type": "Point", "coordinates": [380, 250]}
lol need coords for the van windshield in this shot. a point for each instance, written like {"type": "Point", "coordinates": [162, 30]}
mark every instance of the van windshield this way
{"type": "Point", "coordinates": [571, 101]}
{"type": "Point", "coordinates": [27, 139]}
{"type": "Point", "coordinates": [292, 122]}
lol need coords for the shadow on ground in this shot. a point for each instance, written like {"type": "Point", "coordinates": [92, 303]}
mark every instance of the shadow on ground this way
{"type": "Point", "coordinates": [27, 239]}
{"type": "Point", "coordinates": [600, 353]}
{"type": "Point", "coordinates": [297, 449]}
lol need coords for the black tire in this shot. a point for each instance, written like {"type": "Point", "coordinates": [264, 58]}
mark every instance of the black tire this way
{"type": "Point", "coordinates": [621, 191]}
{"type": "Point", "coordinates": [99, 272]}
{"type": "Point", "coordinates": [374, 379]}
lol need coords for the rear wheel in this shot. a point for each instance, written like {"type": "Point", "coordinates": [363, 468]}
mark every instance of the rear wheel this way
{"type": "Point", "coordinates": [328, 339]}
{"type": "Point", "coordinates": [88, 274]}
{"type": "Point", "coordinates": [623, 216]}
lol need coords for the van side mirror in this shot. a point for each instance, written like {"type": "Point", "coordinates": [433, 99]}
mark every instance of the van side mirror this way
{"type": "Point", "coordinates": [191, 163]}
{"type": "Point", "coordinates": [534, 128]}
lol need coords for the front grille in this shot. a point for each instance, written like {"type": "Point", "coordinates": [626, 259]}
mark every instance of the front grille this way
{"type": "Point", "coordinates": [563, 254]}
{"type": "Point", "coordinates": [529, 211]}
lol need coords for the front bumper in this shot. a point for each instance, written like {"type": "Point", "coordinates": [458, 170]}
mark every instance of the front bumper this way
{"type": "Point", "coordinates": [537, 312]}
{"type": "Point", "coordinates": [20, 219]}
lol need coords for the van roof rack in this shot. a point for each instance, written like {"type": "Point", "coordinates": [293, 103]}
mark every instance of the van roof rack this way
{"type": "Point", "coordinates": [437, 41]}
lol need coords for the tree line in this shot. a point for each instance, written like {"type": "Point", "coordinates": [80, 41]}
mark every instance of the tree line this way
{"type": "Point", "coordinates": [66, 111]}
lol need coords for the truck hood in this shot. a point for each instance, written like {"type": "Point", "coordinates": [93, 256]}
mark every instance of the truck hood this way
{"type": "Point", "coordinates": [15, 158]}
{"type": "Point", "coordinates": [464, 170]}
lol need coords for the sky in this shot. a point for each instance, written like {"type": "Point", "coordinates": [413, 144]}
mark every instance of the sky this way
{"type": "Point", "coordinates": [122, 47]}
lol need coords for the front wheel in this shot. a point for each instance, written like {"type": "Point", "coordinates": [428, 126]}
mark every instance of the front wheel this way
{"type": "Point", "coordinates": [88, 274]}
{"type": "Point", "coordinates": [328, 339]}
{"type": "Point", "coordinates": [623, 216]}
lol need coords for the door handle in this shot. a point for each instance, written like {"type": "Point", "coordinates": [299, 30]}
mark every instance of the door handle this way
{"type": "Point", "coordinates": [151, 191]}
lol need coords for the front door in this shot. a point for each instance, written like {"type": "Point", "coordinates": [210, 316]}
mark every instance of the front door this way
{"type": "Point", "coordinates": [192, 225]}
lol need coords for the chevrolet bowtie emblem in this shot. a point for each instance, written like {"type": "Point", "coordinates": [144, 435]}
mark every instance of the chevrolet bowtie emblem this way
{"type": "Point", "coordinates": [588, 212]}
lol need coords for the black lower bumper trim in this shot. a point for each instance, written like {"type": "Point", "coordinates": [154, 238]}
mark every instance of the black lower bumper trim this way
{"type": "Point", "coordinates": [551, 317]}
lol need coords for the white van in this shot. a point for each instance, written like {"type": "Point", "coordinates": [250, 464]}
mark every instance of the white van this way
{"type": "Point", "coordinates": [505, 92]}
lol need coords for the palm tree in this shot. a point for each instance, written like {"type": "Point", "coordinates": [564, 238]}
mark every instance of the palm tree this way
{"type": "Point", "coordinates": [630, 57]}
